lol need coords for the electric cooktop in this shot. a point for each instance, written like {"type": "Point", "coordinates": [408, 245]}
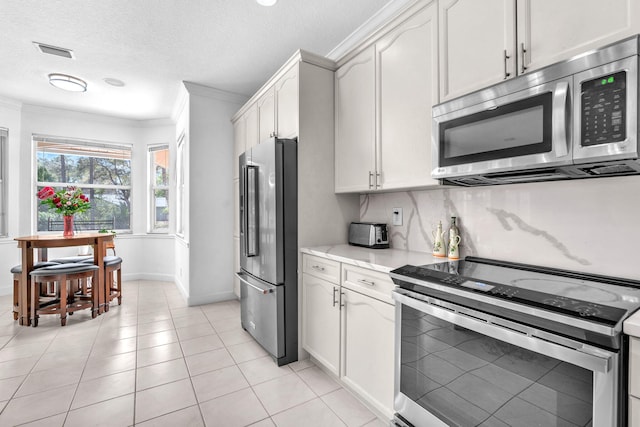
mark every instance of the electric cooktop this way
{"type": "Point", "coordinates": [593, 298]}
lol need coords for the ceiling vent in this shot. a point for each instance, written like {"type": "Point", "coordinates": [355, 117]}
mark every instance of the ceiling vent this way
{"type": "Point", "coordinates": [53, 50]}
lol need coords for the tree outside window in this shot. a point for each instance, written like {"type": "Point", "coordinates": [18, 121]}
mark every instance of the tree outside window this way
{"type": "Point", "coordinates": [159, 188]}
{"type": "Point", "coordinates": [101, 171]}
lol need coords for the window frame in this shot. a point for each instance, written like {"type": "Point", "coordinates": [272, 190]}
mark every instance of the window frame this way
{"type": "Point", "coordinates": [153, 187]}
{"type": "Point", "coordinates": [4, 141]}
{"type": "Point", "coordinates": [36, 138]}
{"type": "Point", "coordinates": [180, 184]}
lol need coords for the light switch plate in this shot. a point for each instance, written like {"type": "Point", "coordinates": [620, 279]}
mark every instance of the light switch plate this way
{"type": "Point", "coordinates": [396, 216]}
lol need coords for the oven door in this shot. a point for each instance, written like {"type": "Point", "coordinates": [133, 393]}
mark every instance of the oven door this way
{"type": "Point", "coordinates": [461, 367]}
{"type": "Point", "coordinates": [523, 130]}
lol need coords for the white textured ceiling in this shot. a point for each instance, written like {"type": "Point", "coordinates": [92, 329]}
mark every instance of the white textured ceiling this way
{"type": "Point", "coordinates": [153, 45]}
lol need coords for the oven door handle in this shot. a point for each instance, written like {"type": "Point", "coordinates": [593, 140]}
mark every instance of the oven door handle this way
{"type": "Point", "coordinates": [585, 356]}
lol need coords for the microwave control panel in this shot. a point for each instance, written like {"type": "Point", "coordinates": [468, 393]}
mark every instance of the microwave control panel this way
{"type": "Point", "coordinates": [604, 101]}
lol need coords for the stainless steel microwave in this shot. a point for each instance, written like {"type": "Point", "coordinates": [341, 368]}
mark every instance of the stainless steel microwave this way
{"type": "Point", "coordinates": [574, 119]}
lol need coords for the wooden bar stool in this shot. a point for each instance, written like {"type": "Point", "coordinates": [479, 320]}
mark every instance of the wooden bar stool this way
{"type": "Point", "coordinates": [17, 273]}
{"type": "Point", "coordinates": [65, 300]}
{"type": "Point", "coordinates": [113, 288]}
{"type": "Point", "coordinates": [112, 285]}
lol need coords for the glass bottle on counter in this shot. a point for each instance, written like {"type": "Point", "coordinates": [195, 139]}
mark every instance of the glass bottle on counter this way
{"type": "Point", "coordinates": [454, 240]}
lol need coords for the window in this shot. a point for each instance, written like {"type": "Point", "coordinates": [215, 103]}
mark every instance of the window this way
{"type": "Point", "coordinates": [159, 188]}
{"type": "Point", "coordinates": [4, 133]}
{"type": "Point", "coordinates": [102, 171]}
{"type": "Point", "coordinates": [180, 187]}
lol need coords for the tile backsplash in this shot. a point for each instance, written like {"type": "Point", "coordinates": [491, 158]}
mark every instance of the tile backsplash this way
{"type": "Point", "coordinates": [590, 225]}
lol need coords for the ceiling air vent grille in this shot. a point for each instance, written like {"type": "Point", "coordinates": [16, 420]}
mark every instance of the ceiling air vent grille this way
{"type": "Point", "coordinates": [53, 50]}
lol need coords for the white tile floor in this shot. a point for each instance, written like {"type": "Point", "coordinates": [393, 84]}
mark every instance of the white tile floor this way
{"type": "Point", "coordinates": [153, 361]}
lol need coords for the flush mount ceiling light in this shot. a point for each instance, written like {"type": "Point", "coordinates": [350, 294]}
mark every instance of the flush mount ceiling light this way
{"type": "Point", "coordinates": [66, 82]}
{"type": "Point", "coordinates": [113, 82]}
{"type": "Point", "coordinates": [267, 2]}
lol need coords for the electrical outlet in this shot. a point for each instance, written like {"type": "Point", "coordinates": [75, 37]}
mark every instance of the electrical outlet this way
{"type": "Point", "coordinates": [396, 216]}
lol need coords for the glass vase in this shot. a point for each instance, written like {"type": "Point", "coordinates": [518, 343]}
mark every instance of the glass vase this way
{"type": "Point", "coordinates": [68, 226]}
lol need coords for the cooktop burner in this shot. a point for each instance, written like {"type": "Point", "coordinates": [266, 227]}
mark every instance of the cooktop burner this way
{"type": "Point", "coordinates": [593, 298]}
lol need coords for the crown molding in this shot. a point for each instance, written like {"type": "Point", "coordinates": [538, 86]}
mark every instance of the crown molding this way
{"type": "Point", "coordinates": [210, 92]}
{"type": "Point", "coordinates": [382, 17]}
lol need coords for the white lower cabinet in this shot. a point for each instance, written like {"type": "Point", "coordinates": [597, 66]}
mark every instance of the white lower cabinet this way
{"type": "Point", "coordinates": [634, 411]}
{"type": "Point", "coordinates": [367, 348]}
{"type": "Point", "coordinates": [321, 321]}
{"type": "Point", "coordinates": [348, 327]}
{"type": "Point", "coordinates": [634, 382]}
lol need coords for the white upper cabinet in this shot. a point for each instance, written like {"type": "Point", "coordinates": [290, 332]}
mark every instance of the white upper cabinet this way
{"type": "Point", "coordinates": [383, 108]}
{"type": "Point", "coordinates": [550, 31]}
{"type": "Point", "coordinates": [407, 62]}
{"type": "Point", "coordinates": [287, 110]}
{"type": "Point", "coordinates": [277, 108]}
{"type": "Point", "coordinates": [266, 114]}
{"type": "Point", "coordinates": [479, 44]}
{"type": "Point", "coordinates": [239, 142]}
{"type": "Point", "coordinates": [251, 127]}
{"type": "Point", "coordinates": [355, 123]}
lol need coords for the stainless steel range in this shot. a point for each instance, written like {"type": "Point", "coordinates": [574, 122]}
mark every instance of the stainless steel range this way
{"type": "Point", "coordinates": [481, 342]}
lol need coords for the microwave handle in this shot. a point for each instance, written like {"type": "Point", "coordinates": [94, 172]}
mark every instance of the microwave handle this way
{"type": "Point", "coordinates": [559, 126]}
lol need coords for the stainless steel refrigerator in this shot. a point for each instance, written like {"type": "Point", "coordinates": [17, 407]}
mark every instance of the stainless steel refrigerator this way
{"type": "Point", "coordinates": [269, 247]}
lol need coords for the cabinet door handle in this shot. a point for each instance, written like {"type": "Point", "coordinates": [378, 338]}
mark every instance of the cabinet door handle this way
{"type": "Point", "coordinates": [334, 296]}
{"type": "Point", "coordinates": [341, 303]}
{"type": "Point", "coordinates": [523, 51]}
{"type": "Point", "coordinates": [378, 179]}
{"type": "Point", "coordinates": [367, 282]}
{"type": "Point", "coordinates": [370, 179]}
{"type": "Point", "coordinates": [317, 267]}
{"type": "Point", "coordinates": [506, 57]}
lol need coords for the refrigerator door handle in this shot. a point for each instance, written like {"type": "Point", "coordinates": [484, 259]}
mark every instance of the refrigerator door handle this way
{"type": "Point", "coordinates": [251, 211]}
{"type": "Point", "coordinates": [267, 290]}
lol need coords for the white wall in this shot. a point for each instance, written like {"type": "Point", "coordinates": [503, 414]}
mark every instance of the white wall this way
{"type": "Point", "coordinates": [144, 256]}
{"type": "Point", "coordinates": [10, 118]}
{"type": "Point", "coordinates": [210, 193]}
{"type": "Point", "coordinates": [181, 246]}
{"type": "Point", "coordinates": [588, 225]}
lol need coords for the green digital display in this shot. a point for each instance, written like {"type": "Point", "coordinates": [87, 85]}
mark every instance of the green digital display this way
{"type": "Point", "coordinates": [606, 80]}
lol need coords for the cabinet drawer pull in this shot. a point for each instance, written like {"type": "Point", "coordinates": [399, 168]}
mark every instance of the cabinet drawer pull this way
{"type": "Point", "coordinates": [367, 282]}
{"type": "Point", "coordinates": [317, 267]}
{"type": "Point", "coordinates": [506, 73]}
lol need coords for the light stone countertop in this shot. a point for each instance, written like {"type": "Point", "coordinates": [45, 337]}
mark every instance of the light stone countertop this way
{"type": "Point", "coordinates": [382, 260]}
{"type": "Point", "coordinates": [632, 325]}
{"type": "Point", "coordinates": [385, 260]}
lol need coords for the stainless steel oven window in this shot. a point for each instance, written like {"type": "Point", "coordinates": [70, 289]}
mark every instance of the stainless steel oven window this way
{"type": "Point", "coordinates": [466, 377]}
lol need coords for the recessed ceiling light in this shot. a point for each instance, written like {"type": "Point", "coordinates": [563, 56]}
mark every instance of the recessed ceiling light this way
{"type": "Point", "coordinates": [66, 82]}
{"type": "Point", "coordinates": [113, 82]}
{"type": "Point", "coordinates": [267, 2]}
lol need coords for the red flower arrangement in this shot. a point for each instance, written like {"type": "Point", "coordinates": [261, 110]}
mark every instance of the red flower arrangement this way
{"type": "Point", "coordinates": [68, 201]}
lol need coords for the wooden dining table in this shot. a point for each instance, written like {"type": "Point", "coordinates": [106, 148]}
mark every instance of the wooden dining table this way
{"type": "Point", "coordinates": [27, 244]}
